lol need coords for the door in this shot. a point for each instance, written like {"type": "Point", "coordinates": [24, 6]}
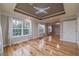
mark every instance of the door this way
{"type": "Point", "coordinates": [69, 31]}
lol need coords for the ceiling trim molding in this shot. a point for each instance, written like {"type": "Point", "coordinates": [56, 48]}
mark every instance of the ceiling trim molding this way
{"type": "Point", "coordinates": [14, 15]}
{"type": "Point", "coordinates": [69, 18]}
{"type": "Point", "coordinates": [56, 14]}
{"type": "Point", "coordinates": [46, 17]}
{"type": "Point", "coordinates": [23, 12]}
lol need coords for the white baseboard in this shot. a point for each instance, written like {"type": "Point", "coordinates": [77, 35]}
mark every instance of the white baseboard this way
{"type": "Point", "coordinates": [18, 42]}
{"type": "Point", "coordinates": [5, 45]}
{"type": "Point", "coordinates": [15, 43]}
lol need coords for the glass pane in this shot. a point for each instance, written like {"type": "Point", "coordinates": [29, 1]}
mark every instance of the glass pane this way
{"type": "Point", "coordinates": [41, 28]}
{"type": "Point", "coordinates": [25, 31]}
{"type": "Point", "coordinates": [17, 24]}
{"type": "Point", "coordinates": [16, 32]}
{"type": "Point", "coordinates": [26, 25]}
{"type": "Point", "coordinates": [49, 29]}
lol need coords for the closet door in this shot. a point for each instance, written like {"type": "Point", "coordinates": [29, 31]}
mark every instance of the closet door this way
{"type": "Point", "coordinates": [69, 31]}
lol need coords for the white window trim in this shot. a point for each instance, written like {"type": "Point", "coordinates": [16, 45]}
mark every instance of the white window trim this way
{"type": "Point", "coordinates": [39, 28]}
{"type": "Point", "coordinates": [49, 30]}
{"type": "Point", "coordinates": [21, 28]}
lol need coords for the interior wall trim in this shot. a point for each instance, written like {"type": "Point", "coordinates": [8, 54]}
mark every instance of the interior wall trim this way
{"type": "Point", "coordinates": [69, 18]}
{"type": "Point", "coordinates": [20, 41]}
{"type": "Point", "coordinates": [46, 17]}
{"type": "Point", "coordinates": [22, 12]}
{"type": "Point", "coordinates": [56, 14]}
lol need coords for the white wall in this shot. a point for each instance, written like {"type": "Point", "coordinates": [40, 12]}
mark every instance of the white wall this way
{"type": "Point", "coordinates": [57, 29]}
{"type": "Point", "coordinates": [35, 29]}
{"type": "Point", "coordinates": [61, 30]}
{"type": "Point", "coordinates": [1, 38]}
{"type": "Point", "coordinates": [78, 31]}
{"type": "Point", "coordinates": [68, 31]}
{"type": "Point", "coordinates": [4, 24]}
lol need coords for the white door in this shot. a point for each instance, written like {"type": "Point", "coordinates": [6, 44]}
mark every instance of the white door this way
{"type": "Point", "coordinates": [69, 31]}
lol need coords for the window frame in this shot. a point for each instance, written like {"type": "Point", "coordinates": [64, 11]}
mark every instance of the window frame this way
{"type": "Point", "coordinates": [49, 30]}
{"type": "Point", "coordinates": [39, 28]}
{"type": "Point", "coordinates": [23, 21]}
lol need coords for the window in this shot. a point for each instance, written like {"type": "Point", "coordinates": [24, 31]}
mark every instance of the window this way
{"type": "Point", "coordinates": [26, 28]}
{"type": "Point", "coordinates": [21, 28]}
{"type": "Point", "coordinates": [49, 29]}
{"type": "Point", "coordinates": [17, 28]}
{"type": "Point", "coordinates": [41, 28]}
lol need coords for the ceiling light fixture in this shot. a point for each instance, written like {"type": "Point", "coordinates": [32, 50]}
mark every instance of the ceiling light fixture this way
{"type": "Point", "coordinates": [41, 10]}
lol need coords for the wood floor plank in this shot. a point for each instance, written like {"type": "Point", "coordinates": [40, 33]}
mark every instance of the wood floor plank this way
{"type": "Point", "coordinates": [42, 47]}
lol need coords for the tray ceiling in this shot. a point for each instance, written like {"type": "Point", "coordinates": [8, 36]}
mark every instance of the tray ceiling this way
{"type": "Point", "coordinates": [40, 10]}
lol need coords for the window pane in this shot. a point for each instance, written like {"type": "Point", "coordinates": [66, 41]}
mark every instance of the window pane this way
{"type": "Point", "coordinates": [25, 31]}
{"type": "Point", "coordinates": [17, 24]}
{"type": "Point", "coordinates": [49, 29]}
{"type": "Point", "coordinates": [16, 32]}
{"type": "Point", "coordinates": [21, 28]}
{"type": "Point", "coordinates": [41, 28]}
{"type": "Point", "coordinates": [26, 25]}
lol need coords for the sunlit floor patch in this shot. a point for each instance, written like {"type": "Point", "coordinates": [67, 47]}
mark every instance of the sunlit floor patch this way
{"type": "Point", "coordinates": [50, 38]}
{"type": "Point", "coordinates": [41, 43]}
{"type": "Point", "coordinates": [21, 52]}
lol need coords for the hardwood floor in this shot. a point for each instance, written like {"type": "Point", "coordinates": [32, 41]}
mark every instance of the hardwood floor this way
{"type": "Point", "coordinates": [42, 47]}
